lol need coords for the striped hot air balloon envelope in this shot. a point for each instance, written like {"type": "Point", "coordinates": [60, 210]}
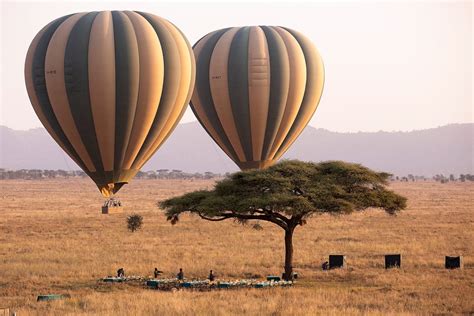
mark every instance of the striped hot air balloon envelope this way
{"type": "Point", "coordinates": [256, 89]}
{"type": "Point", "coordinates": [110, 87]}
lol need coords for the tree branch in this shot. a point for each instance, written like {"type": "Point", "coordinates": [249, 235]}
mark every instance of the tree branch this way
{"type": "Point", "coordinates": [271, 213]}
{"type": "Point", "coordinates": [224, 216]}
{"type": "Point", "coordinates": [213, 219]}
{"type": "Point", "coordinates": [267, 218]}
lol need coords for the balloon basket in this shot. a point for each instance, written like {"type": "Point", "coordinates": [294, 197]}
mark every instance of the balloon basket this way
{"type": "Point", "coordinates": [112, 206]}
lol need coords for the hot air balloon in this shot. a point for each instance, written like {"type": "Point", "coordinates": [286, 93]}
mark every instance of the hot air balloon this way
{"type": "Point", "coordinates": [110, 87]}
{"type": "Point", "coordinates": [256, 89]}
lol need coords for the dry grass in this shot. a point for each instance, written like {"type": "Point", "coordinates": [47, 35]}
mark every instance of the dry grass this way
{"type": "Point", "coordinates": [53, 239]}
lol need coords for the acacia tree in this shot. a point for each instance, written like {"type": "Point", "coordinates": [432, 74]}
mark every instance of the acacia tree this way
{"type": "Point", "coordinates": [287, 194]}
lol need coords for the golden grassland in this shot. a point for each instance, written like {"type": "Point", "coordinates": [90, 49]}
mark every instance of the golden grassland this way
{"type": "Point", "coordinates": [53, 239]}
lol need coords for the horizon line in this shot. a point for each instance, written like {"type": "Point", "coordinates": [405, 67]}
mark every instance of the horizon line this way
{"type": "Point", "coordinates": [312, 126]}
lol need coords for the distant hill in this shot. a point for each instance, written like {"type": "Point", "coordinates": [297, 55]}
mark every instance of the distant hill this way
{"type": "Point", "coordinates": [447, 149]}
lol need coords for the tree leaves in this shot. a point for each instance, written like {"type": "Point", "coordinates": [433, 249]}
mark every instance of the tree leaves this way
{"type": "Point", "coordinates": [288, 192]}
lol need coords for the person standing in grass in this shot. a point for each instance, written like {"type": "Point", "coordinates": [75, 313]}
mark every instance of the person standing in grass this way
{"type": "Point", "coordinates": [212, 277]}
{"type": "Point", "coordinates": [325, 265]}
{"type": "Point", "coordinates": [180, 275]}
{"type": "Point", "coordinates": [121, 273]}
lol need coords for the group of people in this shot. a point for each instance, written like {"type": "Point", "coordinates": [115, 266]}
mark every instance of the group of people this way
{"type": "Point", "coordinates": [157, 273]}
{"type": "Point", "coordinates": [112, 202]}
{"type": "Point", "coordinates": [180, 275]}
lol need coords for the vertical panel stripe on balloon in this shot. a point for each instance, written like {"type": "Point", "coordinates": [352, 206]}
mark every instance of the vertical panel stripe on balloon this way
{"type": "Point", "coordinates": [238, 88]}
{"type": "Point", "coordinates": [279, 86]}
{"type": "Point", "coordinates": [259, 88]}
{"type": "Point", "coordinates": [127, 83]}
{"type": "Point", "coordinates": [102, 75]}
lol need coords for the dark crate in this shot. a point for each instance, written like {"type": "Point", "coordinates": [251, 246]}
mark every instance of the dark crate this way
{"type": "Point", "coordinates": [152, 283]}
{"type": "Point", "coordinates": [223, 285]}
{"type": "Point", "coordinates": [453, 262]}
{"type": "Point", "coordinates": [52, 297]}
{"type": "Point", "coordinates": [336, 261]}
{"type": "Point", "coordinates": [114, 279]}
{"type": "Point", "coordinates": [393, 261]}
{"type": "Point", "coordinates": [273, 278]}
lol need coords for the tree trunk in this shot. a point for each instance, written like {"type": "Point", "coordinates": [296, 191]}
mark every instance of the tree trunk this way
{"type": "Point", "coordinates": [288, 275]}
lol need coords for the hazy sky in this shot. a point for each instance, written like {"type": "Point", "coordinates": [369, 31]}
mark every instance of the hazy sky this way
{"type": "Point", "coordinates": [389, 65]}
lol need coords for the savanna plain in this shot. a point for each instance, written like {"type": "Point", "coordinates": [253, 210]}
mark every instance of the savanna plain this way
{"type": "Point", "coordinates": [53, 239]}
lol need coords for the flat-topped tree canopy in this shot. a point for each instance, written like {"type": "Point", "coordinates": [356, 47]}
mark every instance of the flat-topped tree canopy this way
{"type": "Point", "coordinates": [287, 194]}
{"type": "Point", "coordinates": [293, 189]}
